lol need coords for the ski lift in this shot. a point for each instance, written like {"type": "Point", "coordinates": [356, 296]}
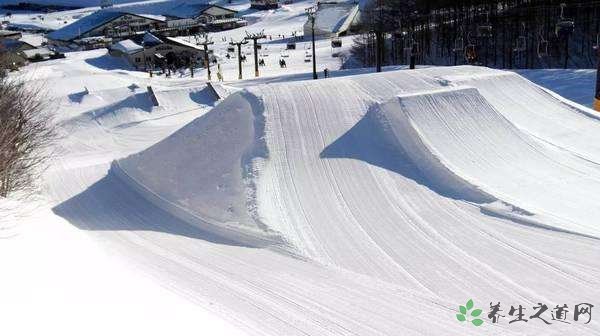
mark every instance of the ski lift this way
{"type": "Point", "coordinates": [415, 49]}
{"type": "Point", "coordinates": [291, 45]}
{"type": "Point", "coordinates": [521, 41]}
{"type": "Point", "coordinates": [230, 49]}
{"type": "Point", "coordinates": [459, 44]}
{"type": "Point", "coordinates": [485, 30]}
{"type": "Point", "coordinates": [336, 42]}
{"type": "Point", "coordinates": [307, 57]}
{"type": "Point", "coordinates": [542, 48]}
{"type": "Point", "coordinates": [564, 26]}
{"type": "Point", "coordinates": [470, 51]}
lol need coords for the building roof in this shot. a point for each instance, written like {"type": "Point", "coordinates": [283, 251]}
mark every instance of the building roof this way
{"type": "Point", "coordinates": [137, 43]}
{"type": "Point", "coordinates": [14, 45]}
{"type": "Point", "coordinates": [190, 10]}
{"type": "Point", "coordinates": [183, 43]}
{"type": "Point", "coordinates": [6, 33]}
{"type": "Point", "coordinates": [35, 40]}
{"type": "Point", "coordinates": [84, 25]}
{"type": "Point", "coordinates": [150, 39]}
{"type": "Point", "coordinates": [31, 53]}
{"type": "Point", "coordinates": [334, 18]}
{"type": "Point", "coordinates": [158, 11]}
{"type": "Point", "coordinates": [127, 47]}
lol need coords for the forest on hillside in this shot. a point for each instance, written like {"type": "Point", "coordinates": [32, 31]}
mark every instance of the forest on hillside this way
{"type": "Point", "coordinates": [501, 34]}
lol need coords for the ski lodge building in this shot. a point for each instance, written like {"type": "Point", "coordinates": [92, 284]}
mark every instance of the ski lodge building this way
{"type": "Point", "coordinates": [148, 51]}
{"type": "Point", "coordinates": [105, 26]}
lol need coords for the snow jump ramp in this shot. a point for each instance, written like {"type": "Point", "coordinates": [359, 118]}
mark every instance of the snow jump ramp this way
{"type": "Point", "coordinates": [250, 167]}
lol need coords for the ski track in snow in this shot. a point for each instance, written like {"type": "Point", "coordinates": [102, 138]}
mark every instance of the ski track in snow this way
{"type": "Point", "coordinates": [379, 202]}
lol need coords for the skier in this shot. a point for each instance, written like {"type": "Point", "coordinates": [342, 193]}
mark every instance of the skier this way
{"type": "Point", "coordinates": [326, 72]}
{"type": "Point", "coordinates": [219, 73]}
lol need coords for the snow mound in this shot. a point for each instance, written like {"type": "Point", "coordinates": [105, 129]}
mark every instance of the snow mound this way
{"type": "Point", "coordinates": [395, 118]}
{"type": "Point", "coordinates": [185, 98]}
{"type": "Point", "coordinates": [203, 173]}
{"type": "Point", "coordinates": [460, 141]}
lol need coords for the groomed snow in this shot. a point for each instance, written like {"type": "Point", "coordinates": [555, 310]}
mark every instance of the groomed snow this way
{"type": "Point", "coordinates": [369, 204]}
{"type": "Point", "coordinates": [407, 170]}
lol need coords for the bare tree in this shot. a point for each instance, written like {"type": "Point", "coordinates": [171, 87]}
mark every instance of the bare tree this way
{"type": "Point", "coordinates": [25, 133]}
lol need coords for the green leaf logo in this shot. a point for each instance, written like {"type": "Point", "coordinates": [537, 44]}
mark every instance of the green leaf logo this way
{"type": "Point", "coordinates": [464, 313]}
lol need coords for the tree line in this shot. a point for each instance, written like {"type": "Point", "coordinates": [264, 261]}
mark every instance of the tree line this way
{"type": "Point", "coordinates": [502, 34]}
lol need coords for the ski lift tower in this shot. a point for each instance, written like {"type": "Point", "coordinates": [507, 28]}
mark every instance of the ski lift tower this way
{"type": "Point", "coordinates": [239, 49]}
{"type": "Point", "coordinates": [312, 15]}
{"type": "Point", "coordinates": [459, 45]}
{"type": "Point", "coordinates": [597, 96]}
{"type": "Point", "coordinates": [106, 3]}
{"type": "Point", "coordinates": [542, 48]}
{"type": "Point", "coordinates": [564, 28]}
{"type": "Point", "coordinates": [255, 37]}
{"type": "Point", "coordinates": [205, 41]}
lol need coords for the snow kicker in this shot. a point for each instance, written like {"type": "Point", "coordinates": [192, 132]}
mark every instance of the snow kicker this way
{"type": "Point", "coordinates": [453, 140]}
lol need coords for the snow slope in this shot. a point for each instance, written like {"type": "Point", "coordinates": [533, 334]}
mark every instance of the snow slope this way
{"type": "Point", "coordinates": [368, 204]}
{"type": "Point", "coordinates": [405, 181]}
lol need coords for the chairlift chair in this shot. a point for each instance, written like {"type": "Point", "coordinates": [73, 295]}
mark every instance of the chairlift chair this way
{"type": "Point", "coordinates": [336, 42]}
{"type": "Point", "coordinates": [564, 26]}
{"type": "Point", "coordinates": [291, 45]}
{"type": "Point", "coordinates": [521, 44]}
{"type": "Point", "coordinates": [484, 31]}
{"type": "Point", "coordinates": [542, 47]}
{"type": "Point", "coordinates": [459, 44]}
{"type": "Point", "coordinates": [470, 50]}
{"type": "Point", "coordinates": [470, 53]}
